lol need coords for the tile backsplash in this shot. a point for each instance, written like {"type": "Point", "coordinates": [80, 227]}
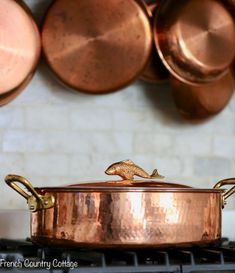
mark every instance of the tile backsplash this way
{"type": "Point", "coordinates": [55, 136]}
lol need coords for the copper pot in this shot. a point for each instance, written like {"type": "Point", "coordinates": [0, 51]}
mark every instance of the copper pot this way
{"type": "Point", "coordinates": [202, 101]}
{"type": "Point", "coordinates": [195, 39]}
{"type": "Point", "coordinates": [97, 46]}
{"type": "Point", "coordinates": [20, 46]}
{"type": "Point", "coordinates": [126, 213]}
{"type": "Point", "coordinates": [155, 71]}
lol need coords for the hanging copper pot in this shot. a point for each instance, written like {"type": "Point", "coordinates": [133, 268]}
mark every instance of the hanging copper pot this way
{"type": "Point", "coordinates": [19, 45]}
{"type": "Point", "coordinates": [195, 39]}
{"type": "Point", "coordinates": [202, 101]}
{"type": "Point", "coordinates": [155, 72]}
{"type": "Point", "coordinates": [97, 46]}
{"type": "Point", "coordinates": [126, 213]}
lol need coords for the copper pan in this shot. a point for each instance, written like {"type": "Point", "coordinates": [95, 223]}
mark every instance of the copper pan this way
{"type": "Point", "coordinates": [204, 101]}
{"type": "Point", "coordinates": [19, 45]}
{"type": "Point", "coordinates": [97, 46]}
{"type": "Point", "coordinates": [127, 213]}
{"type": "Point", "coordinates": [155, 72]}
{"type": "Point", "coordinates": [195, 39]}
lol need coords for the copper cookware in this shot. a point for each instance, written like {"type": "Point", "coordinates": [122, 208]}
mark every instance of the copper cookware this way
{"type": "Point", "coordinates": [155, 72]}
{"type": "Point", "coordinates": [195, 39]}
{"type": "Point", "coordinates": [19, 45]}
{"type": "Point", "coordinates": [126, 213]}
{"type": "Point", "coordinates": [97, 46]}
{"type": "Point", "coordinates": [202, 101]}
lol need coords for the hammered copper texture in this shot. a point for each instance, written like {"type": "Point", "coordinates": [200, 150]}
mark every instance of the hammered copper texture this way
{"type": "Point", "coordinates": [195, 39]}
{"type": "Point", "coordinates": [19, 45]}
{"type": "Point", "coordinates": [97, 46]}
{"type": "Point", "coordinates": [130, 219]}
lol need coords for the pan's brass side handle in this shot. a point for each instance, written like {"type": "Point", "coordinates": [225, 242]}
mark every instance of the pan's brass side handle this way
{"type": "Point", "coordinates": [35, 201]}
{"type": "Point", "coordinates": [229, 192]}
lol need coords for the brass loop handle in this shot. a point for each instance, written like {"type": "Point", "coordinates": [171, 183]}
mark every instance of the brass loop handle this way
{"type": "Point", "coordinates": [225, 182]}
{"type": "Point", "coordinates": [35, 201]}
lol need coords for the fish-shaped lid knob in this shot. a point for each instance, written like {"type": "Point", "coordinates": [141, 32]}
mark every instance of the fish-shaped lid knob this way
{"type": "Point", "coordinates": [127, 170]}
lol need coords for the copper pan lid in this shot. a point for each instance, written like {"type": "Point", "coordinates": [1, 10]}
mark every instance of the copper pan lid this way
{"type": "Point", "coordinates": [97, 46]}
{"type": "Point", "coordinates": [155, 72]}
{"type": "Point", "coordinates": [195, 39]}
{"type": "Point", "coordinates": [19, 45]}
{"type": "Point", "coordinates": [127, 169]}
{"type": "Point", "coordinates": [198, 102]}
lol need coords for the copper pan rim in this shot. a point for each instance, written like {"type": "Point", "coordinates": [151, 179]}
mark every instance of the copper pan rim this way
{"type": "Point", "coordinates": [127, 189]}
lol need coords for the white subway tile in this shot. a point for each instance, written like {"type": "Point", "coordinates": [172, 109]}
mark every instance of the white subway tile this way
{"type": "Point", "coordinates": [134, 120]}
{"type": "Point", "coordinates": [46, 164]}
{"type": "Point", "coordinates": [95, 118]}
{"type": "Point", "coordinates": [194, 145]}
{"type": "Point", "coordinates": [168, 166]}
{"type": "Point", "coordinates": [208, 166]}
{"type": "Point", "coordinates": [11, 117]}
{"type": "Point", "coordinates": [147, 143]}
{"type": "Point", "coordinates": [46, 117]}
{"type": "Point", "coordinates": [12, 163]}
{"type": "Point", "coordinates": [24, 141]}
{"type": "Point", "coordinates": [224, 146]}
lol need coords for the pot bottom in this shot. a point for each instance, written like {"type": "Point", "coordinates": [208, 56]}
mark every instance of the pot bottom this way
{"type": "Point", "coordinates": [52, 242]}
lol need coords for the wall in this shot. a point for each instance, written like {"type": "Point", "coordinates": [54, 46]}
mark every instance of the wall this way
{"type": "Point", "coordinates": [56, 136]}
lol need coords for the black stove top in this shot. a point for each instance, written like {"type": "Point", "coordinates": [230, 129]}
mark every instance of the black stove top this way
{"type": "Point", "coordinates": [23, 256]}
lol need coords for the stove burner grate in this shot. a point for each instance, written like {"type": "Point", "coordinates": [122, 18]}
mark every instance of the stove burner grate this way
{"type": "Point", "coordinates": [192, 260]}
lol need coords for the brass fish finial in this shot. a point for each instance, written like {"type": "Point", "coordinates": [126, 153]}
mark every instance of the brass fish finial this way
{"type": "Point", "coordinates": [127, 170]}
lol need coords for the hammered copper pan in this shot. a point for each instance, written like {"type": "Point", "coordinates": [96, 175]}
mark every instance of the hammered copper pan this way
{"type": "Point", "coordinates": [127, 213]}
{"type": "Point", "coordinates": [19, 45]}
{"type": "Point", "coordinates": [195, 39]}
{"type": "Point", "coordinates": [202, 101]}
{"type": "Point", "coordinates": [97, 46]}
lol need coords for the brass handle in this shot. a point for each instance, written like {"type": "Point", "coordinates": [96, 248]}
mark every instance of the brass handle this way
{"type": "Point", "coordinates": [35, 201]}
{"type": "Point", "coordinates": [229, 192]}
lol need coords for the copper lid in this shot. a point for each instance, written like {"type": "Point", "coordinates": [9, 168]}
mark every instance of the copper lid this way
{"type": "Point", "coordinates": [197, 102]}
{"type": "Point", "coordinates": [195, 39]}
{"type": "Point", "coordinates": [19, 45]}
{"type": "Point", "coordinates": [97, 46]}
{"type": "Point", "coordinates": [126, 169]}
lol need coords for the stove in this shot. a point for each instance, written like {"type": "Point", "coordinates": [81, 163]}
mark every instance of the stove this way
{"type": "Point", "coordinates": [22, 256]}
